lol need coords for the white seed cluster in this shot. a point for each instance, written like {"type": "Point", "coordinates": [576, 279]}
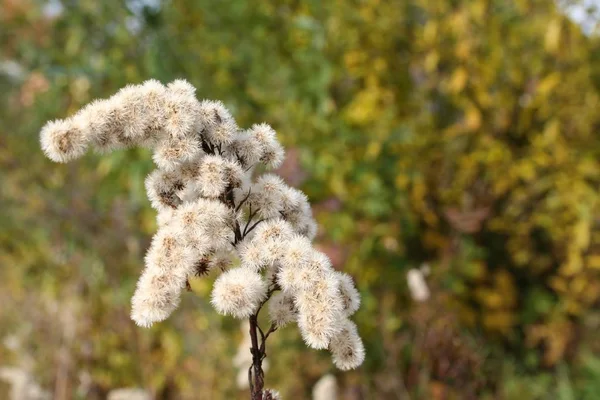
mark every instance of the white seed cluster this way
{"type": "Point", "coordinates": [211, 211]}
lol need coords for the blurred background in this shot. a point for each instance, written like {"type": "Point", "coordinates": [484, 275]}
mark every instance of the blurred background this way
{"type": "Point", "coordinates": [450, 150]}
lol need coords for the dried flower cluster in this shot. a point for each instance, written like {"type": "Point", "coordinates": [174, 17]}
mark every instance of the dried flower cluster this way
{"type": "Point", "coordinates": [212, 214]}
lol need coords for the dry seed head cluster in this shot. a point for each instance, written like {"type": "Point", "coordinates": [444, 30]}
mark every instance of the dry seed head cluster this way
{"type": "Point", "coordinates": [213, 214]}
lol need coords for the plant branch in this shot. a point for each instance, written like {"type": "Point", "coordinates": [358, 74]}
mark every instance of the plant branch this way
{"type": "Point", "coordinates": [255, 373]}
{"type": "Point", "coordinates": [243, 200]}
{"type": "Point", "coordinates": [253, 226]}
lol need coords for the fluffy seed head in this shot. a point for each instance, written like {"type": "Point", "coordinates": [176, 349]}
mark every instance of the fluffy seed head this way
{"type": "Point", "coordinates": [216, 174]}
{"type": "Point", "coordinates": [297, 253]}
{"type": "Point", "coordinates": [96, 116]}
{"type": "Point", "coordinates": [273, 155]}
{"type": "Point", "coordinates": [132, 113]}
{"type": "Point", "coordinates": [263, 133]}
{"type": "Point", "coordinates": [107, 121]}
{"type": "Point", "coordinates": [164, 217]}
{"type": "Point", "coordinates": [309, 229]}
{"type": "Point", "coordinates": [205, 223]}
{"type": "Point", "coordinates": [218, 227]}
{"type": "Point", "coordinates": [252, 255]}
{"type": "Point", "coordinates": [145, 111]}
{"type": "Point", "coordinates": [274, 229]}
{"type": "Point", "coordinates": [117, 123]}
{"type": "Point", "coordinates": [220, 261]}
{"type": "Point", "coordinates": [238, 292]}
{"type": "Point", "coordinates": [319, 311]}
{"type": "Point", "coordinates": [176, 151]}
{"type": "Point", "coordinates": [315, 269]}
{"type": "Point", "coordinates": [266, 195]}
{"type": "Point", "coordinates": [349, 294]}
{"type": "Point", "coordinates": [246, 149]}
{"type": "Point", "coordinates": [168, 252]}
{"type": "Point", "coordinates": [298, 213]}
{"type": "Point", "coordinates": [211, 180]}
{"type": "Point", "coordinates": [347, 349]}
{"type": "Point", "coordinates": [291, 200]}
{"type": "Point", "coordinates": [282, 310]}
{"type": "Point", "coordinates": [154, 94]}
{"type": "Point", "coordinates": [181, 107]}
{"type": "Point", "coordinates": [64, 140]}
{"type": "Point", "coordinates": [272, 152]}
{"type": "Point", "coordinates": [190, 219]}
{"type": "Point", "coordinates": [162, 188]}
{"type": "Point", "coordinates": [156, 296]}
{"type": "Point", "coordinates": [234, 174]}
{"type": "Point", "coordinates": [219, 126]}
{"type": "Point", "coordinates": [296, 270]}
{"type": "Point", "coordinates": [271, 273]}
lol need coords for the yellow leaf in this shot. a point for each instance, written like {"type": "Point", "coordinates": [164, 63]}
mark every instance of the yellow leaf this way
{"type": "Point", "coordinates": [548, 83]}
{"type": "Point", "coordinates": [582, 234]}
{"type": "Point", "coordinates": [559, 284]}
{"type": "Point", "coordinates": [373, 150]}
{"type": "Point", "coordinates": [594, 262]}
{"type": "Point", "coordinates": [552, 38]}
{"type": "Point", "coordinates": [431, 61]}
{"type": "Point", "coordinates": [489, 298]}
{"type": "Point", "coordinates": [500, 321]}
{"type": "Point", "coordinates": [473, 118]}
{"type": "Point", "coordinates": [578, 284]}
{"type": "Point", "coordinates": [430, 32]}
{"type": "Point", "coordinates": [402, 181]}
{"type": "Point", "coordinates": [551, 130]}
{"type": "Point", "coordinates": [458, 80]}
{"type": "Point", "coordinates": [572, 266]}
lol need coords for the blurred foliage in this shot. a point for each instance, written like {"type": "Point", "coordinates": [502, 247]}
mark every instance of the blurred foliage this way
{"type": "Point", "coordinates": [462, 134]}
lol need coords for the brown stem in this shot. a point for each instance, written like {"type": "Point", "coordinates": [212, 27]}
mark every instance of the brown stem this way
{"type": "Point", "coordinates": [206, 146]}
{"type": "Point", "coordinates": [250, 216]}
{"type": "Point", "coordinates": [256, 375]}
{"type": "Point", "coordinates": [253, 226]}
{"type": "Point", "coordinates": [243, 201]}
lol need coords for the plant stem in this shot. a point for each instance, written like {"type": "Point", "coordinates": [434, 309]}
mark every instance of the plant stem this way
{"type": "Point", "coordinates": [256, 375]}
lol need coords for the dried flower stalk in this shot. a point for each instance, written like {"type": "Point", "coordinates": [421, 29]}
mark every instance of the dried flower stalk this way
{"type": "Point", "coordinates": [212, 213]}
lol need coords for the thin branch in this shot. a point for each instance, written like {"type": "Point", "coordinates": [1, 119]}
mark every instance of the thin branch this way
{"type": "Point", "coordinates": [269, 294]}
{"type": "Point", "coordinates": [272, 329]}
{"type": "Point", "coordinates": [250, 217]}
{"type": "Point", "coordinates": [239, 159]}
{"type": "Point", "coordinates": [243, 200]}
{"type": "Point", "coordinates": [253, 226]}
{"type": "Point", "coordinates": [207, 147]}
{"type": "Point", "coordinates": [264, 337]}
